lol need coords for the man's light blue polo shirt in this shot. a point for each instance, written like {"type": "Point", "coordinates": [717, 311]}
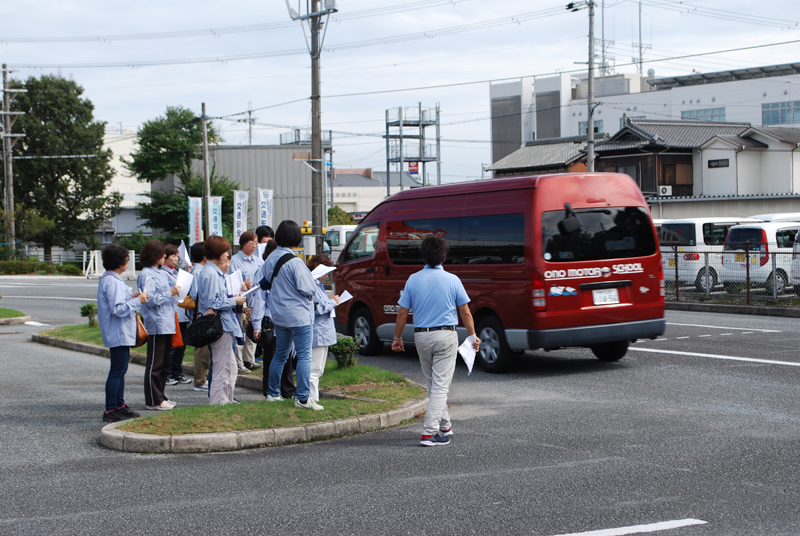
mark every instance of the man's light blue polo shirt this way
{"type": "Point", "coordinates": [433, 295]}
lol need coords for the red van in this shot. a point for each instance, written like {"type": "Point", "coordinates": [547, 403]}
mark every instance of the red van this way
{"type": "Point", "coordinates": [550, 261]}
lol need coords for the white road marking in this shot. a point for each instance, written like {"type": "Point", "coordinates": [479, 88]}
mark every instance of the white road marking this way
{"type": "Point", "coordinates": [681, 337]}
{"type": "Point", "coordinates": [723, 334]}
{"type": "Point", "coordinates": [49, 298]}
{"type": "Point", "coordinates": [639, 529]}
{"type": "Point", "coordinates": [704, 335]}
{"type": "Point", "coordinates": [747, 333]}
{"type": "Point", "coordinates": [724, 327]}
{"type": "Point", "coordinates": [715, 356]}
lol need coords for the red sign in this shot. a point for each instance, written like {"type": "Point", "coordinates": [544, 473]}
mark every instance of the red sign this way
{"type": "Point", "coordinates": [413, 168]}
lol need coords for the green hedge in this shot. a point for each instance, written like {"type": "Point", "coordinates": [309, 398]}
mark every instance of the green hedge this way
{"type": "Point", "coordinates": [35, 267]}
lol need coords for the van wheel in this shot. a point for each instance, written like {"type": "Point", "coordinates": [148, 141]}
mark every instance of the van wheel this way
{"type": "Point", "coordinates": [610, 351]}
{"type": "Point", "coordinates": [781, 282]}
{"type": "Point", "coordinates": [494, 354]}
{"type": "Point", "coordinates": [362, 326]}
{"type": "Point", "coordinates": [700, 282]}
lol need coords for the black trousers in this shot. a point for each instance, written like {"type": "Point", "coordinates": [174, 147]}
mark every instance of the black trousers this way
{"type": "Point", "coordinates": [288, 388]}
{"type": "Point", "coordinates": [155, 372]}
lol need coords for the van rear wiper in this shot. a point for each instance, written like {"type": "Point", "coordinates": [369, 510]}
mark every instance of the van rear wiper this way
{"type": "Point", "coordinates": [570, 223]}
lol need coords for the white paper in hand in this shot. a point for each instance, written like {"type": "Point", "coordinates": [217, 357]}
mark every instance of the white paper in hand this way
{"type": "Point", "coordinates": [185, 282]}
{"type": "Point", "coordinates": [260, 250]}
{"type": "Point", "coordinates": [344, 297]}
{"type": "Point", "coordinates": [149, 286]}
{"type": "Point", "coordinates": [234, 282]}
{"type": "Point", "coordinates": [468, 352]}
{"type": "Point", "coordinates": [184, 255]}
{"type": "Point", "coordinates": [321, 271]}
{"type": "Point", "coordinates": [252, 290]}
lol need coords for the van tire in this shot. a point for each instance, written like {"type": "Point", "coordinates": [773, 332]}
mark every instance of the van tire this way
{"type": "Point", "coordinates": [780, 279]}
{"type": "Point", "coordinates": [362, 326]}
{"type": "Point", "coordinates": [610, 351]}
{"type": "Point", "coordinates": [700, 282]}
{"type": "Point", "coordinates": [494, 354]}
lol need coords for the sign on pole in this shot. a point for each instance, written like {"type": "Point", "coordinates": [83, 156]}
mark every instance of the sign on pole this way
{"type": "Point", "coordinates": [241, 203]}
{"type": "Point", "coordinates": [195, 220]}
{"type": "Point", "coordinates": [216, 217]}
{"type": "Point", "coordinates": [265, 207]}
{"type": "Point", "coordinates": [413, 168]}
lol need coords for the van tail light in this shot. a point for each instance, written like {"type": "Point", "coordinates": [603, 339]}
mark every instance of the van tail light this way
{"type": "Point", "coordinates": [662, 288]}
{"type": "Point", "coordinates": [765, 257]}
{"type": "Point", "coordinates": [691, 256]}
{"type": "Point", "coordinates": [537, 285]}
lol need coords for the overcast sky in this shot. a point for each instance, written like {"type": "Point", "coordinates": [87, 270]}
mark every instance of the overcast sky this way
{"type": "Point", "coordinates": [371, 47]}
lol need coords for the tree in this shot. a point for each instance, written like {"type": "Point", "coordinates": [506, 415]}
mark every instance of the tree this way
{"type": "Point", "coordinates": [28, 224]}
{"type": "Point", "coordinates": [167, 145]}
{"type": "Point", "coordinates": [69, 191]}
{"type": "Point", "coordinates": [337, 216]}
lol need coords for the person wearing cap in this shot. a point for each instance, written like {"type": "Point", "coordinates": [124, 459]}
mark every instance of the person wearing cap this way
{"type": "Point", "coordinates": [437, 299]}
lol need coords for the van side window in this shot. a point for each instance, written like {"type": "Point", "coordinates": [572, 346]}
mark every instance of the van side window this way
{"type": "Point", "coordinates": [363, 244]}
{"type": "Point", "coordinates": [714, 233]}
{"type": "Point", "coordinates": [332, 238]}
{"type": "Point", "coordinates": [495, 239]}
{"type": "Point", "coordinates": [785, 238]}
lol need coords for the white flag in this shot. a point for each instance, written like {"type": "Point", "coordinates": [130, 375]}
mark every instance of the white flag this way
{"type": "Point", "coordinates": [265, 207]}
{"type": "Point", "coordinates": [241, 202]}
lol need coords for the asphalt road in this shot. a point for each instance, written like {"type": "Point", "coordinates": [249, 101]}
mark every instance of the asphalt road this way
{"type": "Point", "coordinates": [678, 430]}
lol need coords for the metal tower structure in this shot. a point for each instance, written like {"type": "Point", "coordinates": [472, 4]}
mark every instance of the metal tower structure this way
{"type": "Point", "coordinates": [397, 152]}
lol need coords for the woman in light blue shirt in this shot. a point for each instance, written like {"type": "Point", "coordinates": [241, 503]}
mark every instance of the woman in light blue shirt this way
{"type": "Point", "coordinates": [213, 298]}
{"type": "Point", "coordinates": [159, 320]}
{"type": "Point", "coordinates": [292, 305]}
{"type": "Point", "coordinates": [116, 313]}
{"type": "Point", "coordinates": [324, 329]}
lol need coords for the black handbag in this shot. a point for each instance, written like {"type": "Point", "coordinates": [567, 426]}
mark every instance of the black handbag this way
{"type": "Point", "coordinates": [267, 335]}
{"type": "Point", "coordinates": [204, 330]}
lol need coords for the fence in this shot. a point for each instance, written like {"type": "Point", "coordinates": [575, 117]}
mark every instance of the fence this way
{"type": "Point", "coordinates": [753, 273]}
{"type": "Point", "coordinates": [93, 264]}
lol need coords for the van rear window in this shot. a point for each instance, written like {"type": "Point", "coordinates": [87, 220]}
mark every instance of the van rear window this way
{"type": "Point", "coordinates": [604, 233]}
{"type": "Point", "coordinates": [737, 239]}
{"type": "Point", "coordinates": [681, 234]}
{"type": "Point", "coordinates": [495, 239]}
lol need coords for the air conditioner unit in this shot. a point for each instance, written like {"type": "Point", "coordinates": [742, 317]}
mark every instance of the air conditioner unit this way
{"type": "Point", "coordinates": [665, 191]}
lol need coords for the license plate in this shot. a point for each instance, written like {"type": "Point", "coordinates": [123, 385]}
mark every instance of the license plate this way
{"type": "Point", "coordinates": [739, 257]}
{"type": "Point", "coordinates": [605, 296]}
{"type": "Point", "coordinates": [671, 263]}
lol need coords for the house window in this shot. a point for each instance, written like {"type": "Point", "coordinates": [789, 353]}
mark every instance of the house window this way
{"type": "Point", "coordinates": [707, 114]}
{"type": "Point", "coordinates": [598, 127]}
{"type": "Point", "coordinates": [718, 163]}
{"type": "Point", "coordinates": [780, 113]}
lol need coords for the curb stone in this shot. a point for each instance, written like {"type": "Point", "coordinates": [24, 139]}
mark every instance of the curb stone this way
{"type": "Point", "coordinates": [15, 320]}
{"type": "Point", "coordinates": [734, 309]}
{"type": "Point", "coordinates": [113, 438]}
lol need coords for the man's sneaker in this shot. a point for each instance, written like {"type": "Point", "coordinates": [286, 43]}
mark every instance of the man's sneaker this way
{"type": "Point", "coordinates": [203, 387]}
{"type": "Point", "coordinates": [434, 441]}
{"type": "Point", "coordinates": [236, 401]}
{"type": "Point", "coordinates": [446, 433]}
{"type": "Point", "coordinates": [112, 416]}
{"type": "Point", "coordinates": [171, 381]}
{"type": "Point", "coordinates": [127, 413]}
{"type": "Point", "coordinates": [310, 404]}
{"type": "Point", "coordinates": [183, 379]}
{"type": "Point", "coordinates": [244, 370]}
{"type": "Point", "coordinates": [164, 406]}
{"type": "Point", "coordinates": [278, 398]}
{"type": "Point", "coordinates": [252, 366]}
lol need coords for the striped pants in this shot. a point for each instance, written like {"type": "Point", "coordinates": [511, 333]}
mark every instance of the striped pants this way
{"type": "Point", "coordinates": [156, 369]}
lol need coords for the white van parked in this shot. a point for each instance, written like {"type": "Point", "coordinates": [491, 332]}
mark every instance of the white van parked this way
{"type": "Point", "coordinates": [336, 237]}
{"type": "Point", "coordinates": [796, 264]}
{"type": "Point", "coordinates": [764, 239]}
{"type": "Point", "coordinates": [778, 216]}
{"type": "Point", "coordinates": [694, 237]}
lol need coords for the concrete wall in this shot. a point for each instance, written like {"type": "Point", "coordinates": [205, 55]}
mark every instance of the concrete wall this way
{"type": "Point", "coordinates": [718, 181]}
{"type": "Point", "coordinates": [748, 166]}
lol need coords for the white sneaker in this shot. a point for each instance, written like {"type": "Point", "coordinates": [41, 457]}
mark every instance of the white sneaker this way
{"type": "Point", "coordinates": [310, 404]}
{"type": "Point", "coordinates": [203, 387]}
{"type": "Point", "coordinates": [161, 407]}
{"type": "Point", "coordinates": [278, 398]}
{"type": "Point", "coordinates": [169, 403]}
{"type": "Point", "coordinates": [244, 370]}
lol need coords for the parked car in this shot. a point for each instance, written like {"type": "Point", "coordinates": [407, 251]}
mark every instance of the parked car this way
{"type": "Point", "coordinates": [553, 261]}
{"type": "Point", "coordinates": [795, 273]}
{"type": "Point", "coordinates": [694, 237]}
{"type": "Point", "coordinates": [336, 237]}
{"type": "Point", "coordinates": [761, 240]}
{"type": "Point", "coordinates": [777, 216]}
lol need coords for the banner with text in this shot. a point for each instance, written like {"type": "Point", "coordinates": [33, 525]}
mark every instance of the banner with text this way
{"type": "Point", "coordinates": [265, 207]}
{"type": "Point", "coordinates": [240, 205]}
{"type": "Point", "coordinates": [216, 217]}
{"type": "Point", "coordinates": [195, 220]}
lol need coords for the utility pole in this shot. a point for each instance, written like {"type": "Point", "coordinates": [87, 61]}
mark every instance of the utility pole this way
{"type": "Point", "coordinates": [206, 175]}
{"type": "Point", "coordinates": [590, 104]}
{"type": "Point", "coordinates": [250, 121]}
{"type": "Point", "coordinates": [8, 143]}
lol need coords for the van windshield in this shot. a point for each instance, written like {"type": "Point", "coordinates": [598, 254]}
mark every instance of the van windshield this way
{"type": "Point", "coordinates": [605, 233]}
{"type": "Point", "coordinates": [737, 239]}
{"type": "Point", "coordinates": [681, 234]}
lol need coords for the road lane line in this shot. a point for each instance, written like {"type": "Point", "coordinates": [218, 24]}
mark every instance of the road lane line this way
{"type": "Point", "coordinates": [715, 356]}
{"type": "Point", "coordinates": [49, 298]}
{"type": "Point", "coordinates": [639, 529]}
{"type": "Point", "coordinates": [681, 337]}
{"type": "Point", "coordinates": [724, 327]}
{"type": "Point", "coordinates": [704, 335]}
{"type": "Point", "coordinates": [724, 334]}
{"type": "Point", "coordinates": [747, 333]}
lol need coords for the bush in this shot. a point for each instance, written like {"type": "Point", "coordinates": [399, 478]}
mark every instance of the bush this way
{"type": "Point", "coordinates": [344, 351]}
{"type": "Point", "coordinates": [47, 267]}
{"type": "Point", "coordinates": [90, 310]}
{"type": "Point", "coordinates": [71, 269]}
{"type": "Point", "coordinates": [19, 267]}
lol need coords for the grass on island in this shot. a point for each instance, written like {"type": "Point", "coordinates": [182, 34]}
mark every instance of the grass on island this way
{"type": "Point", "coordinates": [10, 313]}
{"type": "Point", "coordinates": [86, 333]}
{"type": "Point", "coordinates": [361, 380]}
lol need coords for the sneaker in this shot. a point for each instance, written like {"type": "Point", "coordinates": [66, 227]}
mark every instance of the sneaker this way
{"type": "Point", "coordinates": [112, 416]}
{"type": "Point", "coordinates": [244, 370]}
{"type": "Point", "coordinates": [203, 387]}
{"type": "Point", "coordinates": [260, 360]}
{"type": "Point", "coordinates": [434, 441]}
{"type": "Point", "coordinates": [171, 381]}
{"type": "Point", "coordinates": [236, 401]}
{"type": "Point", "coordinates": [278, 398]}
{"type": "Point", "coordinates": [446, 433]}
{"type": "Point", "coordinates": [310, 404]}
{"type": "Point", "coordinates": [183, 379]}
{"type": "Point", "coordinates": [127, 413]}
{"type": "Point", "coordinates": [252, 366]}
{"type": "Point", "coordinates": [170, 403]}
{"type": "Point", "coordinates": [161, 407]}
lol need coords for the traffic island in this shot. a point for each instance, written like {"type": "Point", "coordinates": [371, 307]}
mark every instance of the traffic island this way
{"type": "Point", "coordinates": [12, 317]}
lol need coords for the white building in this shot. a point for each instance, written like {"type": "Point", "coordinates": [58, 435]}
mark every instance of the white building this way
{"type": "Point", "coordinates": [360, 190]}
{"type": "Point", "coordinates": [122, 144]}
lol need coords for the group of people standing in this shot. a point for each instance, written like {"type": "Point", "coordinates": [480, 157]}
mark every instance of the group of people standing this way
{"type": "Point", "coordinates": [290, 301]}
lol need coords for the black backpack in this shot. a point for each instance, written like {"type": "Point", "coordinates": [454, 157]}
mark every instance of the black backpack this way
{"type": "Point", "coordinates": [204, 330]}
{"type": "Point", "coordinates": [266, 285]}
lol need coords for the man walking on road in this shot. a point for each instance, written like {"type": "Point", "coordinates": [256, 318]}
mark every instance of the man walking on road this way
{"type": "Point", "coordinates": [435, 296]}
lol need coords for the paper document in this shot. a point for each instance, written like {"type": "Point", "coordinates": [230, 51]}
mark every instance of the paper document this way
{"type": "Point", "coordinates": [260, 250]}
{"type": "Point", "coordinates": [344, 297]}
{"type": "Point", "coordinates": [185, 282]}
{"type": "Point", "coordinates": [149, 286]}
{"type": "Point", "coordinates": [468, 352]}
{"type": "Point", "coordinates": [321, 271]}
{"type": "Point", "coordinates": [234, 283]}
{"type": "Point", "coordinates": [184, 255]}
{"type": "Point", "coordinates": [252, 290]}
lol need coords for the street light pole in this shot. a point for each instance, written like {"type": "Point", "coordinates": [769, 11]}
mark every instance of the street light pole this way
{"type": "Point", "coordinates": [590, 104]}
{"type": "Point", "coordinates": [206, 176]}
{"type": "Point", "coordinates": [316, 131]}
